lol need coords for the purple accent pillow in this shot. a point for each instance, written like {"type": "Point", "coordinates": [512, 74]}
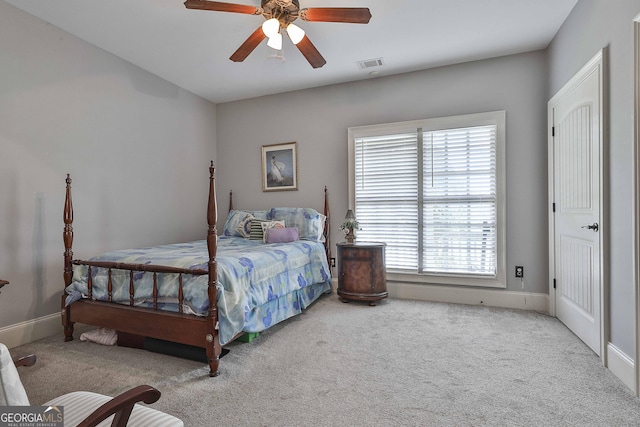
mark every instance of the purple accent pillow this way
{"type": "Point", "coordinates": [282, 235]}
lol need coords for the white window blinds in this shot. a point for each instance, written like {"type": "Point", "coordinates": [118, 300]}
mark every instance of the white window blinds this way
{"type": "Point", "coordinates": [432, 197]}
{"type": "Point", "coordinates": [386, 191]}
{"type": "Point", "coordinates": [459, 201]}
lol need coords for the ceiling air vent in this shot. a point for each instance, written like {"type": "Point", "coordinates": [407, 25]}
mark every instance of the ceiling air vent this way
{"type": "Point", "coordinates": [370, 63]}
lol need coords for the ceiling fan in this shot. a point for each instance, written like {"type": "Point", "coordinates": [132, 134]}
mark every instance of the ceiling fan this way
{"type": "Point", "coordinates": [279, 15]}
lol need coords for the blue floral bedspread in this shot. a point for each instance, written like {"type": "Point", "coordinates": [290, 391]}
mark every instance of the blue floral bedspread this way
{"type": "Point", "coordinates": [258, 285]}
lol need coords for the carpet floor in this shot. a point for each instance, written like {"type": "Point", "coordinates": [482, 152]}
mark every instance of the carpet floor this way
{"type": "Point", "coordinates": [402, 362]}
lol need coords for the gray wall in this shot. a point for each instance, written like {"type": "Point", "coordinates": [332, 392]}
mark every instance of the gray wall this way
{"type": "Point", "coordinates": [593, 25]}
{"type": "Point", "coordinates": [317, 119]}
{"type": "Point", "coordinates": [123, 134]}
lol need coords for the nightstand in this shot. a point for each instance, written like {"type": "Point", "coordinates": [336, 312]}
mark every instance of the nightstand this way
{"type": "Point", "coordinates": [361, 272]}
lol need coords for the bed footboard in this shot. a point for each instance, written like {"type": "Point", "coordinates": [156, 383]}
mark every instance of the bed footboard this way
{"type": "Point", "coordinates": [152, 322]}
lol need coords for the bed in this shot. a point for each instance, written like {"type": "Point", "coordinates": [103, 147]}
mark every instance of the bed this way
{"type": "Point", "coordinates": [265, 267]}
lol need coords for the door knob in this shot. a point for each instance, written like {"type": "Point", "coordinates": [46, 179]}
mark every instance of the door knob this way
{"type": "Point", "coordinates": [593, 227]}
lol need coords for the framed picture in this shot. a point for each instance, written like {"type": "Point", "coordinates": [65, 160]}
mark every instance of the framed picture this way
{"type": "Point", "coordinates": [279, 167]}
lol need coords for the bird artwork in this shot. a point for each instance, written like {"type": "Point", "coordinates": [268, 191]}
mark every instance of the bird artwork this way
{"type": "Point", "coordinates": [277, 170]}
{"type": "Point", "coordinates": [279, 167]}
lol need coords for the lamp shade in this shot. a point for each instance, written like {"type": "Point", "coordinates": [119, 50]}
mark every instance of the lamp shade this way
{"type": "Point", "coordinates": [275, 42]}
{"type": "Point", "coordinates": [271, 27]}
{"type": "Point", "coordinates": [350, 215]}
{"type": "Point", "coordinates": [296, 34]}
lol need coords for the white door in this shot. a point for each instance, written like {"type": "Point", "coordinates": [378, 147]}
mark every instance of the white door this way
{"type": "Point", "coordinates": [577, 226]}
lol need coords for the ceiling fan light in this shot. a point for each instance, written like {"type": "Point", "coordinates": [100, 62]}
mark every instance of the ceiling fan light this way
{"type": "Point", "coordinates": [275, 42]}
{"type": "Point", "coordinates": [296, 34]}
{"type": "Point", "coordinates": [271, 27]}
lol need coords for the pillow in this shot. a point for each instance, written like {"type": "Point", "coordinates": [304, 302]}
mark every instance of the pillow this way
{"type": "Point", "coordinates": [310, 223]}
{"type": "Point", "coordinates": [244, 228]}
{"type": "Point", "coordinates": [256, 230]}
{"type": "Point", "coordinates": [267, 225]}
{"type": "Point", "coordinates": [282, 235]}
{"type": "Point", "coordinates": [234, 219]}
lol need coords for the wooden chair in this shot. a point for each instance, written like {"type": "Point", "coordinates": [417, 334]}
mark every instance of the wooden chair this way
{"type": "Point", "coordinates": [83, 408]}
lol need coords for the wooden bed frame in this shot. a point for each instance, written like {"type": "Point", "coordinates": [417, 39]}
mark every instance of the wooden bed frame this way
{"type": "Point", "coordinates": [199, 331]}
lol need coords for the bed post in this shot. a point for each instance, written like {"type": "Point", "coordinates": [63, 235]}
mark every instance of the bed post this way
{"type": "Point", "coordinates": [212, 339]}
{"type": "Point", "coordinates": [230, 200]}
{"type": "Point", "coordinates": [67, 236]}
{"type": "Point", "coordinates": [327, 243]}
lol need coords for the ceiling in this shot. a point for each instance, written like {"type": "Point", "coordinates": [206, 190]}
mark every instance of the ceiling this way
{"type": "Point", "coordinates": [191, 48]}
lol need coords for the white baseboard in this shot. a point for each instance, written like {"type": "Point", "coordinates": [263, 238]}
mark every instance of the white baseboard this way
{"type": "Point", "coordinates": [471, 296]}
{"type": "Point", "coordinates": [621, 365]}
{"type": "Point", "coordinates": [31, 330]}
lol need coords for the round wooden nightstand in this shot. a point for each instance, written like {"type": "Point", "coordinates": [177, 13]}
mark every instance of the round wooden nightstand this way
{"type": "Point", "coordinates": [361, 272]}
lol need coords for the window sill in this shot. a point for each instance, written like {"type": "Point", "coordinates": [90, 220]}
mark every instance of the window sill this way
{"type": "Point", "coordinates": [429, 279]}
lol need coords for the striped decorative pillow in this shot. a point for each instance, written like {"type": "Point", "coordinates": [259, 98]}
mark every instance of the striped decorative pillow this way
{"type": "Point", "coordinates": [256, 230]}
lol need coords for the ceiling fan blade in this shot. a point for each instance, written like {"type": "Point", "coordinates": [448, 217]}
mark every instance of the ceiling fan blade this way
{"type": "Point", "coordinates": [248, 46]}
{"type": "Point", "coordinates": [311, 53]}
{"type": "Point", "coordinates": [219, 6]}
{"type": "Point", "coordinates": [354, 15]}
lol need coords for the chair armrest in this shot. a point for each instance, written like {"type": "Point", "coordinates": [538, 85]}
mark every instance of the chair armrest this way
{"type": "Point", "coordinates": [121, 406]}
{"type": "Point", "coordinates": [29, 360]}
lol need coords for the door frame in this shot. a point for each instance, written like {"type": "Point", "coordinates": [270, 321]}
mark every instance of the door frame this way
{"type": "Point", "coordinates": [636, 195]}
{"type": "Point", "coordinates": [596, 63]}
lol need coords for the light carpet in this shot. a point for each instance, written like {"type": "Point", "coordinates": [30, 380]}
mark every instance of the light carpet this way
{"type": "Point", "coordinates": [402, 362]}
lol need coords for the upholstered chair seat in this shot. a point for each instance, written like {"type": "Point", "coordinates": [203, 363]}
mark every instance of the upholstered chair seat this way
{"type": "Point", "coordinates": [78, 405]}
{"type": "Point", "coordinates": [83, 408]}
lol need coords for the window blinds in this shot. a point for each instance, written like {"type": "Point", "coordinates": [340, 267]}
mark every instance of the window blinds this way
{"type": "Point", "coordinates": [386, 191]}
{"type": "Point", "coordinates": [459, 203]}
{"type": "Point", "coordinates": [431, 196]}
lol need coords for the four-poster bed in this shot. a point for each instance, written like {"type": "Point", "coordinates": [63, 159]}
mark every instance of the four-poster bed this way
{"type": "Point", "coordinates": [107, 292]}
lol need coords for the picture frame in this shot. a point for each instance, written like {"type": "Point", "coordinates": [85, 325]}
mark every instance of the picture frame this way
{"type": "Point", "coordinates": [280, 167]}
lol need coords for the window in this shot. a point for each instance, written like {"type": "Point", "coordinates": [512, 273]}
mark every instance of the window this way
{"type": "Point", "coordinates": [433, 191]}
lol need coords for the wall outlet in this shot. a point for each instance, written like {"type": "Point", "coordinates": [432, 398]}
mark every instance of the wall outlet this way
{"type": "Point", "coordinates": [333, 262]}
{"type": "Point", "coordinates": [519, 271]}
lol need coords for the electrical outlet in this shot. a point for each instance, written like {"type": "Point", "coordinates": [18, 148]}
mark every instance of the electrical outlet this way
{"type": "Point", "coordinates": [333, 262]}
{"type": "Point", "coordinates": [519, 271]}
